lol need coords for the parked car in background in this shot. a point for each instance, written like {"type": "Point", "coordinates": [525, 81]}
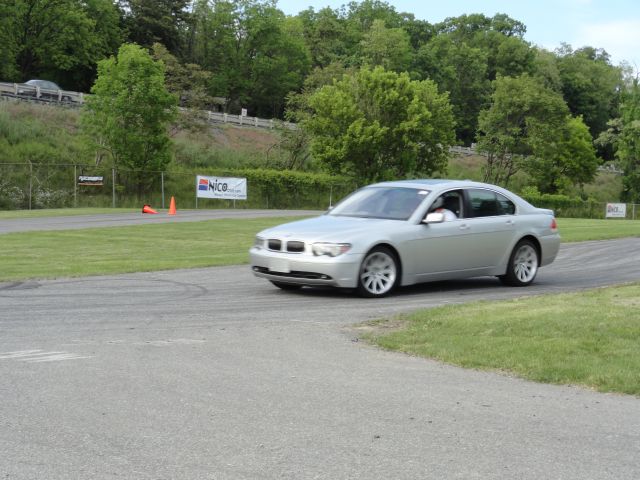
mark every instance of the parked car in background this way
{"type": "Point", "coordinates": [43, 89]}
{"type": "Point", "coordinates": [400, 233]}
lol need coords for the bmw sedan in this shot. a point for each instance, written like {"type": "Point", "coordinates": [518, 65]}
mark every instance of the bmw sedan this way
{"type": "Point", "coordinates": [400, 233]}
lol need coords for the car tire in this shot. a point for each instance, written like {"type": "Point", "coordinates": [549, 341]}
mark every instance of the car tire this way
{"type": "Point", "coordinates": [379, 273]}
{"type": "Point", "coordinates": [287, 286]}
{"type": "Point", "coordinates": [523, 265]}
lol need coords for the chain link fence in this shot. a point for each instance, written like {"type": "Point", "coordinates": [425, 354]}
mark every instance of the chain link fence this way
{"type": "Point", "coordinates": [36, 186]}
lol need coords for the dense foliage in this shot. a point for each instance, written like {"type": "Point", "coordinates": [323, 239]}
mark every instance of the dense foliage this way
{"type": "Point", "coordinates": [235, 54]}
{"type": "Point", "coordinates": [379, 125]}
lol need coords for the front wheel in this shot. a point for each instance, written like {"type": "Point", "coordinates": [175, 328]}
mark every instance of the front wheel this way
{"type": "Point", "coordinates": [378, 273]}
{"type": "Point", "coordinates": [523, 265]}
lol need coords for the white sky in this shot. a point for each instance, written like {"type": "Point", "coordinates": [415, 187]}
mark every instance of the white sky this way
{"type": "Point", "coordinates": [613, 25]}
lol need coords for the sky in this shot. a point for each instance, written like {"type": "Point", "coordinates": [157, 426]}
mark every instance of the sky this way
{"type": "Point", "coordinates": [610, 24]}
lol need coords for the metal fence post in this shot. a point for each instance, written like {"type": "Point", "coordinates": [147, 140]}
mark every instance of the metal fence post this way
{"type": "Point", "coordinates": [75, 186]}
{"type": "Point", "coordinates": [30, 182]}
{"type": "Point", "coordinates": [113, 188]}
{"type": "Point", "coordinates": [162, 187]}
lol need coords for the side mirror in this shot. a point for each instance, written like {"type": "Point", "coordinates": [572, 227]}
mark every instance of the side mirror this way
{"type": "Point", "coordinates": [434, 217]}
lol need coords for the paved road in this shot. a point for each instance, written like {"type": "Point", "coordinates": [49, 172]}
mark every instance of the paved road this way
{"type": "Point", "coordinates": [123, 219]}
{"type": "Point", "coordinates": [214, 374]}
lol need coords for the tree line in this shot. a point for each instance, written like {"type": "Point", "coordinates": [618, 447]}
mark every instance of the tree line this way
{"type": "Point", "coordinates": [378, 93]}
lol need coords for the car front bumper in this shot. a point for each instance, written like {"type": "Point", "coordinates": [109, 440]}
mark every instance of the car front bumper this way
{"type": "Point", "coordinates": [306, 269]}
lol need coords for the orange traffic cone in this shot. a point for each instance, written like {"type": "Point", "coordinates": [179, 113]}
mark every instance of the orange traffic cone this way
{"type": "Point", "coordinates": [148, 209]}
{"type": "Point", "coordinates": [172, 206]}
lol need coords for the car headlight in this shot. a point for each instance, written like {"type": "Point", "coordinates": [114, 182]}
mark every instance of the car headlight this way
{"type": "Point", "coordinates": [331, 249]}
{"type": "Point", "coordinates": [258, 242]}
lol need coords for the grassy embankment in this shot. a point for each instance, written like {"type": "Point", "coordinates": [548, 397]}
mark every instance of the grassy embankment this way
{"type": "Point", "coordinates": [44, 136]}
{"type": "Point", "coordinates": [588, 338]}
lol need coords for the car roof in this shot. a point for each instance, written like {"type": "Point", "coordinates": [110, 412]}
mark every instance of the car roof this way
{"type": "Point", "coordinates": [37, 80]}
{"type": "Point", "coordinates": [439, 184]}
{"type": "Point", "coordinates": [432, 182]}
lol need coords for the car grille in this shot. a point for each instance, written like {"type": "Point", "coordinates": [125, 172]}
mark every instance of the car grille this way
{"type": "Point", "coordinates": [291, 247]}
{"type": "Point", "coordinates": [275, 244]}
{"type": "Point", "coordinates": [295, 247]}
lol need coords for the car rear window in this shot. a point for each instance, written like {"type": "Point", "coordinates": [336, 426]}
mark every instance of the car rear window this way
{"type": "Point", "coordinates": [487, 203]}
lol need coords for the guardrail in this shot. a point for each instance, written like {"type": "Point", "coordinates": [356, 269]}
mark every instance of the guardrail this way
{"type": "Point", "coordinates": [23, 91]}
{"type": "Point", "coordinates": [240, 120]}
{"type": "Point", "coordinates": [30, 92]}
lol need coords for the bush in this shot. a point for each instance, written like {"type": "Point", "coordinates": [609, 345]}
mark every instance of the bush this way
{"type": "Point", "coordinates": [563, 205]}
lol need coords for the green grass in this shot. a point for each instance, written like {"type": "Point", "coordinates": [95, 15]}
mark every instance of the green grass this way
{"type": "Point", "coordinates": [63, 212]}
{"type": "Point", "coordinates": [589, 338]}
{"type": "Point", "coordinates": [98, 251]}
{"type": "Point", "coordinates": [580, 229]}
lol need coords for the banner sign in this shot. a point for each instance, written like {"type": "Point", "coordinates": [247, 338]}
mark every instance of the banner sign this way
{"type": "Point", "coordinates": [616, 210]}
{"type": "Point", "coordinates": [84, 180]}
{"type": "Point", "coordinates": [217, 187]}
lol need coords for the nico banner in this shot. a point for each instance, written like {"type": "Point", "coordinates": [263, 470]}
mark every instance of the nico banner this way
{"type": "Point", "coordinates": [226, 188]}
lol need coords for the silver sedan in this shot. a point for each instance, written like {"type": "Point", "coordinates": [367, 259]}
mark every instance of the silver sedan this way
{"type": "Point", "coordinates": [400, 233]}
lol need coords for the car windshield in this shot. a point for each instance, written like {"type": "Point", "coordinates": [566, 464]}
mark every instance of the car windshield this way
{"type": "Point", "coordinates": [392, 203]}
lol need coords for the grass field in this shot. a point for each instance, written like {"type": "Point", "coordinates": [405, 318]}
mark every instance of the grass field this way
{"type": "Point", "coordinates": [588, 338]}
{"type": "Point", "coordinates": [62, 212]}
{"type": "Point", "coordinates": [580, 229]}
{"type": "Point", "coordinates": [98, 251]}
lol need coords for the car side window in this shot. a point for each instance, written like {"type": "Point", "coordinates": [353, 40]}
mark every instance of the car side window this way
{"type": "Point", "coordinates": [485, 203]}
{"type": "Point", "coordinates": [506, 206]}
{"type": "Point", "coordinates": [449, 203]}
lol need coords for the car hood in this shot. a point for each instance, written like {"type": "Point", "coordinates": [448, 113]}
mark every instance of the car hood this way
{"type": "Point", "coordinates": [329, 228]}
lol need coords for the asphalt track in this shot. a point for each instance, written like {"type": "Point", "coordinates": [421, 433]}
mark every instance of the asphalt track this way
{"type": "Point", "coordinates": [214, 374]}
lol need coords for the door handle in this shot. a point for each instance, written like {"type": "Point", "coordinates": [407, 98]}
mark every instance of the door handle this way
{"type": "Point", "coordinates": [464, 226]}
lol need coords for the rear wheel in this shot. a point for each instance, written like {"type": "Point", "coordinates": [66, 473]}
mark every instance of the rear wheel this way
{"type": "Point", "coordinates": [523, 265]}
{"type": "Point", "coordinates": [287, 286]}
{"type": "Point", "coordinates": [378, 273]}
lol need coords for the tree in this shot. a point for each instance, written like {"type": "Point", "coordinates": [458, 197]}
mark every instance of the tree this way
{"type": "Point", "coordinates": [546, 69]}
{"type": "Point", "coordinates": [465, 55]}
{"type": "Point", "coordinates": [156, 21]}
{"type": "Point", "coordinates": [378, 125]}
{"type": "Point", "coordinates": [568, 160]}
{"type": "Point", "coordinates": [386, 47]}
{"type": "Point", "coordinates": [523, 113]}
{"type": "Point", "coordinates": [128, 114]}
{"type": "Point", "coordinates": [624, 135]}
{"type": "Point", "coordinates": [590, 85]}
{"type": "Point", "coordinates": [55, 38]}
{"type": "Point", "coordinates": [461, 70]}
{"type": "Point", "coordinates": [324, 34]}
{"type": "Point", "coordinates": [255, 53]}
{"type": "Point", "coordinates": [189, 84]}
{"type": "Point", "coordinates": [8, 42]}
{"type": "Point", "coordinates": [500, 37]}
